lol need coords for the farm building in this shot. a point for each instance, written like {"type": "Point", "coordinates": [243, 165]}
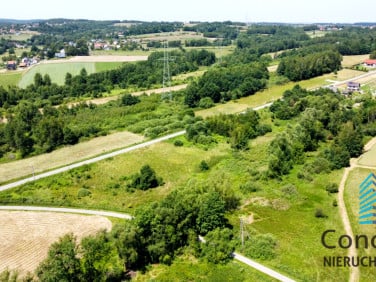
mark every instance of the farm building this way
{"type": "Point", "coordinates": [11, 65]}
{"type": "Point", "coordinates": [353, 86]}
{"type": "Point", "coordinates": [370, 63]}
{"type": "Point", "coordinates": [61, 54]}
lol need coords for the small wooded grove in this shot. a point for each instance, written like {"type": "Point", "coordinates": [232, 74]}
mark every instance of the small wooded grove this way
{"type": "Point", "coordinates": [325, 122]}
{"type": "Point", "coordinates": [159, 232]}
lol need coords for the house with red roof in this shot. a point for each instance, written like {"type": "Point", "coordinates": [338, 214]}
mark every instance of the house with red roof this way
{"type": "Point", "coordinates": [370, 63]}
{"type": "Point", "coordinates": [11, 65]}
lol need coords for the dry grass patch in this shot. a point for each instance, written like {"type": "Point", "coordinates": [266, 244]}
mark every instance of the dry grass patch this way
{"type": "Point", "coordinates": [26, 236]}
{"type": "Point", "coordinates": [368, 158]}
{"type": "Point", "coordinates": [349, 61]}
{"type": "Point", "coordinates": [67, 155]}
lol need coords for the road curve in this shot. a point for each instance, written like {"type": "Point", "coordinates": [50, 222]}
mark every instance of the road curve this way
{"type": "Point", "coordinates": [90, 161]}
{"type": "Point", "coordinates": [67, 210]}
{"type": "Point", "coordinates": [262, 268]}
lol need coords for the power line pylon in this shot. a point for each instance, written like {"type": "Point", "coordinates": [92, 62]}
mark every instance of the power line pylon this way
{"type": "Point", "coordinates": [166, 71]}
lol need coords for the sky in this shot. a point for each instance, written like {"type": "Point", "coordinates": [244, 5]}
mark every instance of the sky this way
{"type": "Point", "coordinates": [290, 11]}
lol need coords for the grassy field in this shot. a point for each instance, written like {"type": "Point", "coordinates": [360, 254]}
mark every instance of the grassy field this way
{"type": "Point", "coordinates": [105, 66]}
{"type": "Point", "coordinates": [291, 220]}
{"type": "Point", "coordinates": [262, 97]}
{"type": "Point", "coordinates": [368, 158]}
{"type": "Point", "coordinates": [56, 71]}
{"type": "Point", "coordinates": [10, 78]}
{"type": "Point", "coordinates": [349, 61]}
{"type": "Point", "coordinates": [352, 203]}
{"type": "Point", "coordinates": [67, 155]}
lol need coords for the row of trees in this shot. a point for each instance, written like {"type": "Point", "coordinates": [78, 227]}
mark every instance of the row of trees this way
{"type": "Point", "coordinates": [227, 83]}
{"type": "Point", "coordinates": [141, 74]}
{"type": "Point", "coordinates": [298, 68]}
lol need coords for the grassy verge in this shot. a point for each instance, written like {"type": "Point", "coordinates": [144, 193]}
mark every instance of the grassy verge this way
{"type": "Point", "coordinates": [190, 269]}
{"type": "Point", "coordinates": [10, 78]}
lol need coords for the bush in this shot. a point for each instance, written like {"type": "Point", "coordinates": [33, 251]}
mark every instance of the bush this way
{"type": "Point", "coordinates": [320, 214]}
{"type": "Point", "coordinates": [206, 103]}
{"type": "Point", "coordinates": [250, 187]}
{"type": "Point", "coordinates": [204, 166]}
{"type": "Point", "coordinates": [261, 246]}
{"type": "Point", "coordinates": [331, 188]}
{"type": "Point", "coordinates": [289, 190]}
{"type": "Point", "coordinates": [178, 143]}
{"type": "Point", "coordinates": [83, 192]}
{"type": "Point", "coordinates": [129, 100]}
{"type": "Point", "coordinates": [146, 179]}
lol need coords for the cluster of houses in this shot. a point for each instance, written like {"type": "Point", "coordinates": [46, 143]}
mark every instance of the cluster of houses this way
{"type": "Point", "coordinates": [24, 63]}
{"type": "Point", "coordinates": [101, 45]}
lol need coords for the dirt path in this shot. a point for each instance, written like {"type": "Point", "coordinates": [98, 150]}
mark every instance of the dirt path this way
{"type": "Point", "coordinates": [100, 101]}
{"type": "Point", "coordinates": [354, 272]}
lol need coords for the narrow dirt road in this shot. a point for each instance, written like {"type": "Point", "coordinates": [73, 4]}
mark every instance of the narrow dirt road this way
{"type": "Point", "coordinates": [354, 272]}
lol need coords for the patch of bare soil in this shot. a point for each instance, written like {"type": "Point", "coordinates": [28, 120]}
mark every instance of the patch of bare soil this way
{"type": "Point", "coordinates": [26, 236]}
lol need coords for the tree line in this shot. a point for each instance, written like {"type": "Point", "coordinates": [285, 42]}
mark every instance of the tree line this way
{"type": "Point", "coordinates": [226, 83]}
{"type": "Point", "coordinates": [140, 74]}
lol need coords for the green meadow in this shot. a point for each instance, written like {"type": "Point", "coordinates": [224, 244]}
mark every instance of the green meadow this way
{"type": "Point", "coordinates": [58, 70]}
{"type": "Point", "coordinates": [10, 78]}
{"type": "Point", "coordinates": [290, 218]}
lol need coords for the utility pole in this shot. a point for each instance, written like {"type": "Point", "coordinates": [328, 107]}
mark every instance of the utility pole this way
{"type": "Point", "coordinates": [242, 232]}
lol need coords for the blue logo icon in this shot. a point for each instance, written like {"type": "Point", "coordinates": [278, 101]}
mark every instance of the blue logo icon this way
{"type": "Point", "coordinates": [367, 199]}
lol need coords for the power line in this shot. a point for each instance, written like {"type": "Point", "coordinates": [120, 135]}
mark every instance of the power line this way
{"type": "Point", "coordinates": [166, 71]}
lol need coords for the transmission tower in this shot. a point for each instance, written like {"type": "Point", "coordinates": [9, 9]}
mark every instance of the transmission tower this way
{"type": "Point", "coordinates": [166, 71]}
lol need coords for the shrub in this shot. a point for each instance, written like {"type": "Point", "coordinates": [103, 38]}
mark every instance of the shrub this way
{"type": "Point", "coordinates": [331, 188]}
{"type": "Point", "coordinates": [250, 187]}
{"type": "Point", "coordinates": [261, 246]}
{"type": "Point", "coordinates": [320, 214]}
{"type": "Point", "coordinates": [129, 100]}
{"type": "Point", "coordinates": [206, 103]}
{"type": "Point", "coordinates": [204, 166]}
{"type": "Point", "coordinates": [83, 192]}
{"type": "Point", "coordinates": [178, 143]}
{"type": "Point", "coordinates": [146, 179]}
{"type": "Point", "coordinates": [289, 190]}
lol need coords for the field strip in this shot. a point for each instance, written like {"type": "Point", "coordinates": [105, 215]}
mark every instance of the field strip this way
{"type": "Point", "coordinates": [100, 101]}
{"type": "Point", "coordinates": [98, 59]}
{"type": "Point", "coordinates": [67, 210]}
{"type": "Point", "coordinates": [27, 236]}
{"type": "Point", "coordinates": [67, 155]}
{"type": "Point", "coordinates": [90, 161]}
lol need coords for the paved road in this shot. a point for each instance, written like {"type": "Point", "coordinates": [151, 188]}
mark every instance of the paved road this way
{"type": "Point", "coordinates": [262, 268]}
{"type": "Point", "coordinates": [90, 161]}
{"type": "Point", "coordinates": [67, 210]}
